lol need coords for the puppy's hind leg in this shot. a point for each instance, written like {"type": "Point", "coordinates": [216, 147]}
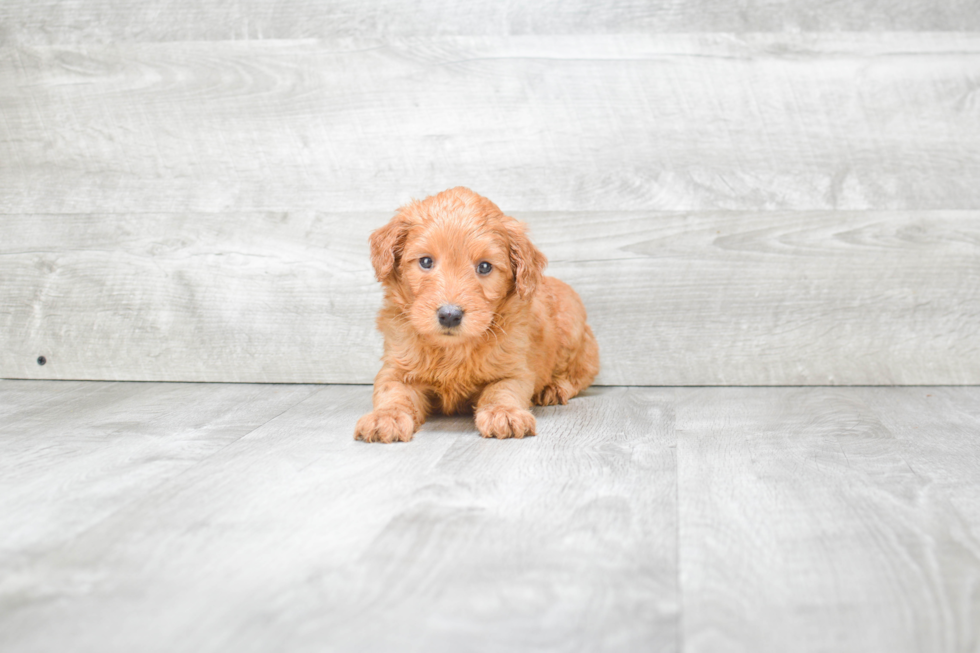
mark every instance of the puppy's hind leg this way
{"type": "Point", "coordinates": [577, 374]}
{"type": "Point", "coordinates": [559, 391]}
{"type": "Point", "coordinates": [584, 365]}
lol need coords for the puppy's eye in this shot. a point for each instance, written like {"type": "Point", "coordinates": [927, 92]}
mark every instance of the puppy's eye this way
{"type": "Point", "coordinates": [425, 263]}
{"type": "Point", "coordinates": [484, 268]}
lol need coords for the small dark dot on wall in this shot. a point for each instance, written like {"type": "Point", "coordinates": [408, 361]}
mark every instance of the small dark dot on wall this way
{"type": "Point", "coordinates": [41, 360]}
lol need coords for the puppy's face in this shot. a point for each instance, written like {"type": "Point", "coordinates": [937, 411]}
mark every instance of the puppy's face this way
{"type": "Point", "coordinates": [450, 263]}
{"type": "Point", "coordinates": [456, 276]}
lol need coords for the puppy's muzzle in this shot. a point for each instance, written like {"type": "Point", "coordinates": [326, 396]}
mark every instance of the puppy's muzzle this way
{"type": "Point", "coordinates": [450, 315]}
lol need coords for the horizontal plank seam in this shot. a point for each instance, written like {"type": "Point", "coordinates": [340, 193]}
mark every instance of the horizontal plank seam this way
{"type": "Point", "coordinates": [596, 385]}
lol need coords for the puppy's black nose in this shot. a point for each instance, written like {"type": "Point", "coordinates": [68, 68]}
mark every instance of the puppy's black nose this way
{"type": "Point", "coordinates": [449, 315]}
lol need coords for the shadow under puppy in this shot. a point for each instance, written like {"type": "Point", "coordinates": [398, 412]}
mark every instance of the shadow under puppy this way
{"type": "Point", "coordinates": [470, 322]}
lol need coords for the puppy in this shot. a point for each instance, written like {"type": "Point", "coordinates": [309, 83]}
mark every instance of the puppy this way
{"type": "Point", "coordinates": [470, 322]}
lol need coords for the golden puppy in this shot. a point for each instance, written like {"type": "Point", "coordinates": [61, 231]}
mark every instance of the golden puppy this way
{"type": "Point", "coordinates": [469, 321]}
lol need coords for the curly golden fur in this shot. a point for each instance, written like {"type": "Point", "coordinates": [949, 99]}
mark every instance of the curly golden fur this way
{"type": "Point", "coordinates": [470, 322]}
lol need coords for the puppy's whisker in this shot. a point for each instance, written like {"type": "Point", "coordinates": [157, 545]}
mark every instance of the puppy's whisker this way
{"type": "Point", "coordinates": [402, 320]}
{"type": "Point", "coordinates": [493, 332]}
{"type": "Point", "coordinates": [494, 324]}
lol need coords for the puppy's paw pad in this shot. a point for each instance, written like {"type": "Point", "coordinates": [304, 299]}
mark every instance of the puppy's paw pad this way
{"type": "Point", "coordinates": [505, 422]}
{"type": "Point", "coordinates": [385, 426]}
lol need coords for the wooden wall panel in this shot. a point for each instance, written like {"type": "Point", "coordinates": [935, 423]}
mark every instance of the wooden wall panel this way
{"type": "Point", "coordinates": [675, 298]}
{"type": "Point", "coordinates": [643, 122]}
{"type": "Point", "coordinates": [735, 208]}
{"type": "Point", "coordinates": [45, 22]}
{"type": "Point", "coordinates": [206, 297]}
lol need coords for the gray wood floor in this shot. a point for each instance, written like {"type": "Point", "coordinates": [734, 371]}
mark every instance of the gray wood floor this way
{"type": "Point", "coordinates": [166, 517]}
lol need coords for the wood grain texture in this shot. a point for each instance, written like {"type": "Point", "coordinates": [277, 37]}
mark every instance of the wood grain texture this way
{"type": "Point", "coordinates": [571, 123]}
{"type": "Point", "coordinates": [212, 517]}
{"type": "Point", "coordinates": [73, 21]}
{"type": "Point", "coordinates": [829, 519]}
{"type": "Point", "coordinates": [114, 444]}
{"type": "Point", "coordinates": [294, 537]}
{"type": "Point", "coordinates": [949, 462]}
{"type": "Point", "coordinates": [675, 298]}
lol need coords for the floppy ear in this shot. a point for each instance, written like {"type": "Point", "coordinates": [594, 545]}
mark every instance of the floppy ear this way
{"type": "Point", "coordinates": [526, 260]}
{"type": "Point", "coordinates": [387, 244]}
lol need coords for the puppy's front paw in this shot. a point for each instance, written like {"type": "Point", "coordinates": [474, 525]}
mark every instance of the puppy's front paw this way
{"type": "Point", "coordinates": [385, 426]}
{"type": "Point", "coordinates": [504, 422]}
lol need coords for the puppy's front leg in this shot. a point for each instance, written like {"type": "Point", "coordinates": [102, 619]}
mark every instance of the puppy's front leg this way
{"type": "Point", "coordinates": [502, 409]}
{"type": "Point", "coordinates": [399, 410]}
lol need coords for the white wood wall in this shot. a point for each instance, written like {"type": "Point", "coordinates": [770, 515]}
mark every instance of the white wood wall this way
{"type": "Point", "coordinates": [783, 193]}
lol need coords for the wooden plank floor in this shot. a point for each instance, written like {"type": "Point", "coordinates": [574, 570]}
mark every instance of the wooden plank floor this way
{"type": "Point", "coordinates": [166, 517]}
